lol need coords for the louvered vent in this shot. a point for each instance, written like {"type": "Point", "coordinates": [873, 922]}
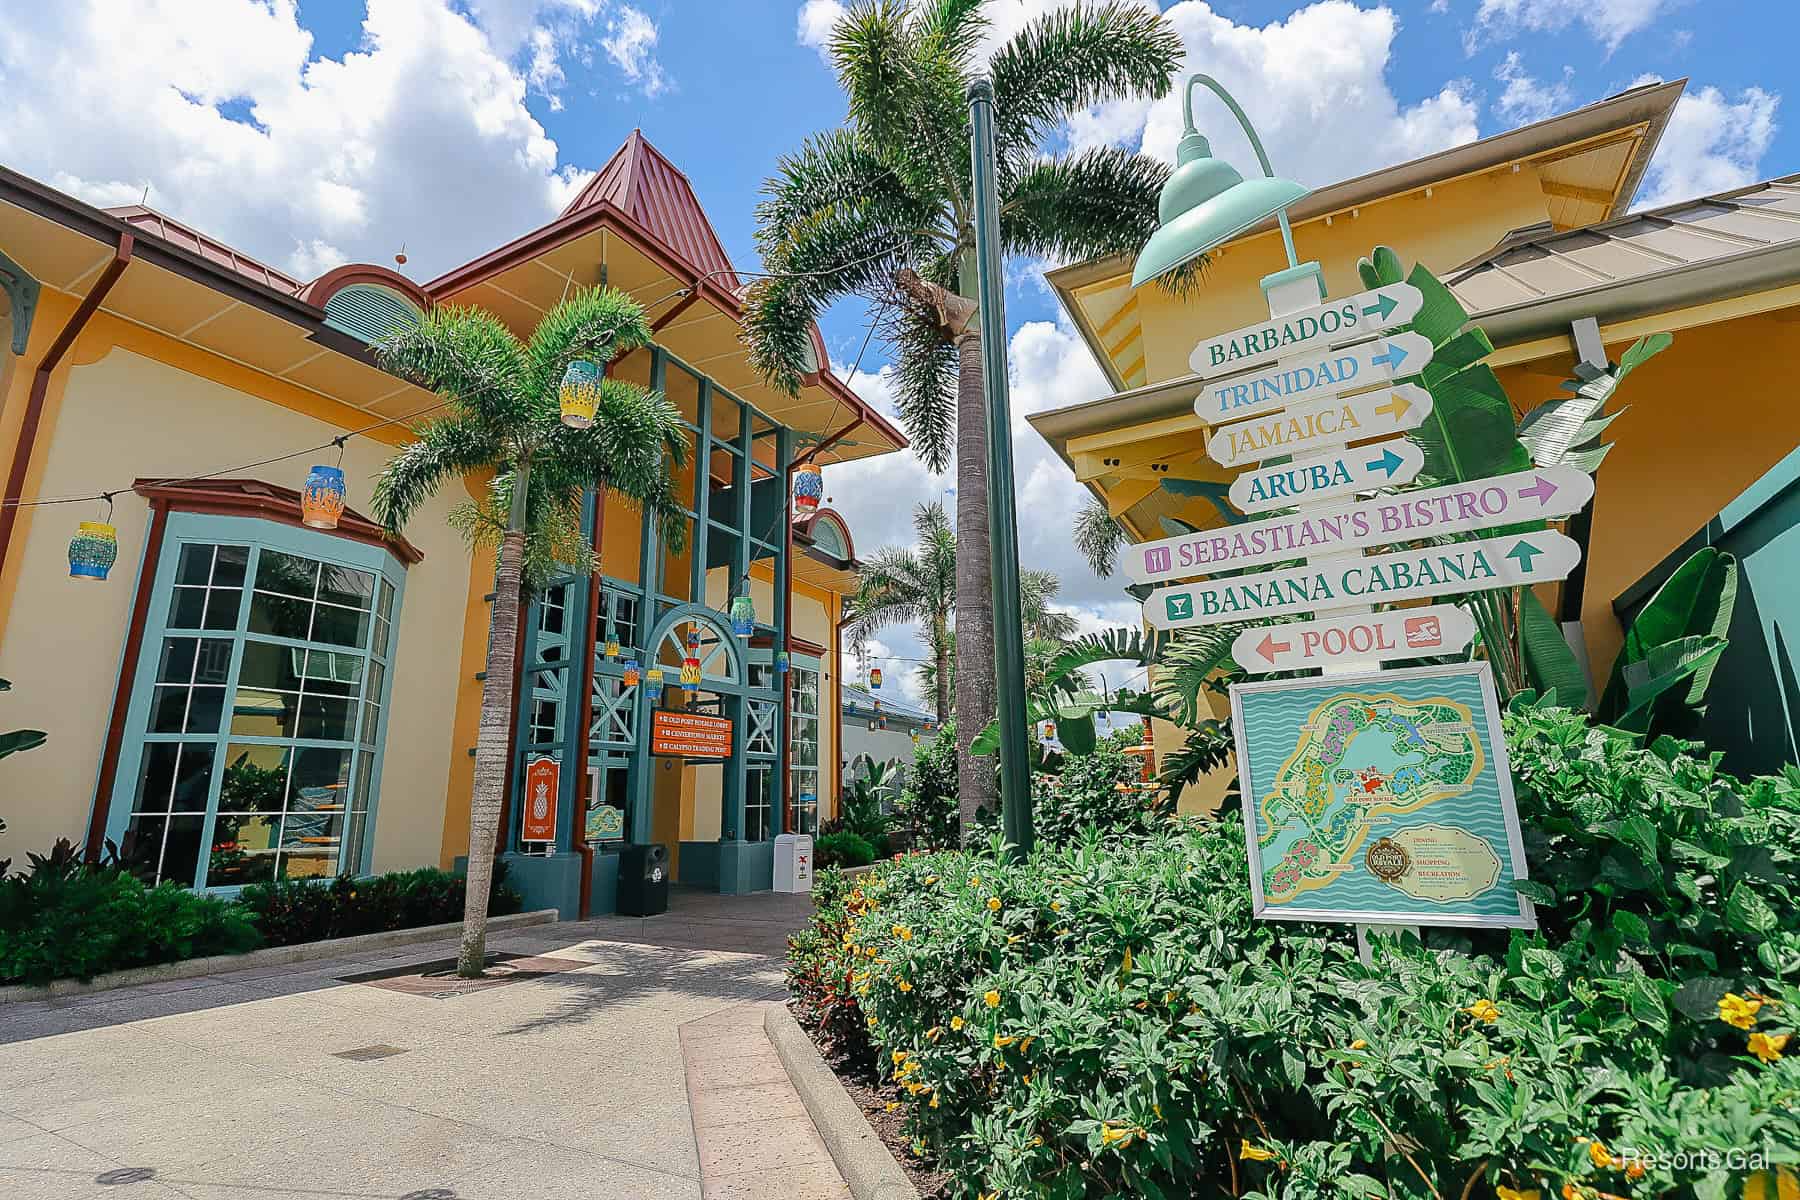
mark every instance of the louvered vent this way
{"type": "Point", "coordinates": [369, 312]}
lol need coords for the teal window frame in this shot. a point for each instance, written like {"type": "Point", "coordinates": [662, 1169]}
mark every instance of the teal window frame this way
{"type": "Point", "coordinates": [185, 529]}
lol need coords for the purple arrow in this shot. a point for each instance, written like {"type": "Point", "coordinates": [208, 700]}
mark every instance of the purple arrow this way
{"type": "Point", "coordinates": [1543, 489]}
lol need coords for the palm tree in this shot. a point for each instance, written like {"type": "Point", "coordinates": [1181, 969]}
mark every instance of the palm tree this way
{"type": "Point", "coordinates": [504, 417]}
{"type": "Point", "coordinates": [900, 585]}
{"type": "Point", "coordinates": [881, 209]}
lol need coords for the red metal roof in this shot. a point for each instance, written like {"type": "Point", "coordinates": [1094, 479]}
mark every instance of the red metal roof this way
{"type": "Point", "coordinates": [211, 249]}
{"type": "Point", "coordinates": [643, 184]}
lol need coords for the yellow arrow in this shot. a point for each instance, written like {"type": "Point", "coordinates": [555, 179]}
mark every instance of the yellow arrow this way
{"type": "Point", "coordinates": [1396, 408]}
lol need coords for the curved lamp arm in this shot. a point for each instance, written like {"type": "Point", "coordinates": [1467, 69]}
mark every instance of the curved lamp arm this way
{"type": "Point", "coordinates": [1262, 156]}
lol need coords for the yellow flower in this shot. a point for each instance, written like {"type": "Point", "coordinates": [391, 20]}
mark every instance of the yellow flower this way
{"type": "Point", "coordinates": [993, 904]}
{"type": "Point", "coordinates": [1001, 1041]}
{"type": "Point", "coordinates": [1254, 1153]}
{"type": "Point", "coordinates": [930, 879]}
{"type": "Point", "coordinates": [974, 881]}
{"type": "Point", "coordinates": [935, 1032]}
{"type": "Point", "coordinates": [1635, 1169]}
{"type": "Point", "coordinates": [933, 1100]}
{"type": "Point", "coordinates": [1125, 965]}
{"type": "Point", "coordinates": [1056, 906]}
{"type": "Point", "coordinates": [1484, 1010]}
{"type": "Point", "coordinates": [1025, 1045]}
{"type": "Point", "coordinates": [893, 1104]}
{"type": "Point", "coordinates": [899, 1056]}
{"type": "Point", "coordinates": [993, 999]}
{"type": "Point", "coordinates": [1028, 1076]}
{"type": "Point", "coordinates": [1599, 1154]}
{"type": "Point", "coordinates": [1359, 1044]}
{"type": "Point", "coordinates": [1738, 1010]}
{"type": "Point", "coordinates": [905, 986]}
{"type": "Point", "coordinates": [1506, 1193]}
{"type": "Point", "coordinates": [988, 1196]}
{"type": "Point", "coordinates": [956, 1024]}
{"type": "Point", "coordinates": [1768, 1046]}
{"type": "Point", "coordinates": [903, 933]}
{"type": "Point", "coordinates": [870, 951]}
{"type": "Point", "coordinates": [1111, 1134]}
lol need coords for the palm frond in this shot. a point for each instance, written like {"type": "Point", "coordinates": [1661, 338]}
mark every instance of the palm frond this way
{"type": "Point", "coordinates": [1186, 665]}
{"type": "Point", "coordinates": [1037, 590]}
{"type": "Point", "coordinates": [1099, 202]}
{"type": "Point", "coordinates": [468, 357]}
{"type": "Point", "coordinates": [1121, 644]}
{"type": "Point", "coordinates": [593, 325]}
{"type": "Point", "coordinates": [440, 451]}
{"type": "Point", "coordinates": [1098, 536]}
{"type": "Point", "coordinates": [925, 371]}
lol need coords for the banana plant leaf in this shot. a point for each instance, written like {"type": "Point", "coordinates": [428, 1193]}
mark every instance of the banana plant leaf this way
{"type": "Point", "coordinates": [1696, 601]}
{"type": "Point", "coordinates": [19, 739]}
{"type": "Point", "coordinates": [1550, 665]}
{"type": "Point", "coordinates": [1665, 668]}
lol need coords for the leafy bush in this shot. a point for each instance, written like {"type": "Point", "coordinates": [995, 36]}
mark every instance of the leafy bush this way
{"type": "Point", "coordinates": [1106, 1019]}
{"type": "Point", "coordinates": [929, 802]}
{"type": "Point", "coordinates": [1095, 790]}
{"type": "Point", "coordinates": [291, 911]}
{"type": "Point", "coordinates": [861, 813]}
{"type": "Point", "coordinates": [818, 972]}
{"type": "Point", "coordinates": [843, 849]}
{"type": "Point", "coordinates": [62, 917]}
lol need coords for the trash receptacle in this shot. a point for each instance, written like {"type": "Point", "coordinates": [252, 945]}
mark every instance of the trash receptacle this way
{"type": "Point", "coordinates": [794, 862]}
{"type": "Point", "coordinates": [643, 880]}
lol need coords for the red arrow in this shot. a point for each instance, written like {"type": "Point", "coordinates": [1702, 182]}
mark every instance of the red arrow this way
{"type": "Point", "coordinates": [1269, 647]}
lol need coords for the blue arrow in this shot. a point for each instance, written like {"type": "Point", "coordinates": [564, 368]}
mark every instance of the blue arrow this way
{"type": "Point", "coordinates": [1524, 552]}
{"type": "Point", "coordinates": [1396, 354]}
{"type": "Point", "coordinates": [1383, 305]}
{"type": "Point", "coordinates": [1389, 462]}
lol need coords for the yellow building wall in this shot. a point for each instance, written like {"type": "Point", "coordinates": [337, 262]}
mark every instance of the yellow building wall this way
{"type": "Point", "coordinates": [119, 415]}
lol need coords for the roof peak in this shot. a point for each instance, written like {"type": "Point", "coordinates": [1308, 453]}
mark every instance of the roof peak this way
{"type": "Point", "coordinates": [645, 184]}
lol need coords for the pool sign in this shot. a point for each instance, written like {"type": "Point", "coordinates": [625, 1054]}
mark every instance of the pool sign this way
{"type": "Point", "coordinates": [1313, 377]}
{"type": "Point", "coordinates": [1314, 328]}
{"type": "Point", "coordinates": [1313, 426]}
{"type": "Point", "coordinates": [1400, 633]}
{"type": "Point", "coordinates": [1401, 517]}
{"type": "Point", "coordinates": [1540, 556]}
{"type": "Point", "coordinates": [1328, 476]}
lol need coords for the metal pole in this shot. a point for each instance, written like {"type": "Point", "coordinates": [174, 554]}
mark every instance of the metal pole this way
{"type": "Point", "coordinates": [1003, 534]}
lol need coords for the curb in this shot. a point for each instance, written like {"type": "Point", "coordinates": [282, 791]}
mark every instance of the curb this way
{"type": "Point", "coordinates": [273, 956]}
{"type": "Point", "coordinates": [861, 1157]}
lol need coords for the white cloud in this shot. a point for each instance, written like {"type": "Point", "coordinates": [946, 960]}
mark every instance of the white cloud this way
{"type": "Point", "coordinates": [813, 26]}
{"type": "Point", "coordinates": [631, 44]}
{"type": "Point", "coordinates": [1527, 98]}
{"type": "Point", "coordinates": [420, 135]}
{"type": "Point", "coordinates": [1713, 143]}
{"type": "Point", "coordinates": [1609, 21]}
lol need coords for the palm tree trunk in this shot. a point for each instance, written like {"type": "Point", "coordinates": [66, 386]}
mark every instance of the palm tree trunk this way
{"type": "Point", "coordinates": [940, 648]}
{"type": "Point", "coordinates": [974, 585]}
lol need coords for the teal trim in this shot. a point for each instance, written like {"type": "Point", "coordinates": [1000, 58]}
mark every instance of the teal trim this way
{"type": "Point", "coordinates": [22, 293]}
{"type": "Point", "coordinates": [259, 535]}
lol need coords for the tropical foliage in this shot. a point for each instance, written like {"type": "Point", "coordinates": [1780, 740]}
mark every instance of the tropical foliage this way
{"type": "Point", "coordinates": [18, 740]}
{"type": "Point", "coordinates": [503, 421]}
{"type": "Point", "coordinates": [882, 209]}
{"type": "Point", "coordinates": [900, 585]}
{"type": "Point", "coordinates": [1660, 677]}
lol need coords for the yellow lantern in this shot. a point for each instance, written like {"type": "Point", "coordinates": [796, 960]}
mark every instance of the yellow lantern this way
{"type": "Point", "coordinates": [579, 394]}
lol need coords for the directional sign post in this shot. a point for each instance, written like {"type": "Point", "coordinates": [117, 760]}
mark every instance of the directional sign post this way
{"type": "Point", "coordinates": [1313, 377]}
{"type": "Point", "coordinates": [1390, 636]}
{"type": "Point", "coordinates": [1314, 426]}
{"type": "Point", "coordinates": [1402, 517]}
{"type": "Point", "coordinates": [1329, 476]}
{"type": "Point", "coordinates": [1473, 566]}
{"type": "Point", "coordinates": [1319, 327]}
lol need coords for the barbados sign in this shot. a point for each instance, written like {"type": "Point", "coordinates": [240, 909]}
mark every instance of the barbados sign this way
{"type": "Point", "coordinates": [1361, 638]}
{"type": "Point", "coordinates": [1327, 477]}
{"type": "Point", "coordinates": [1308, 329]}
{"type": "Point", "coordinates": [1475, 566]}
{"type": "Point", "coordinates": [1409, 516]}
{"type": "Point", "coordinates": [1331, 423]}
{"type": "Point", "coordinates": [1313, 377]}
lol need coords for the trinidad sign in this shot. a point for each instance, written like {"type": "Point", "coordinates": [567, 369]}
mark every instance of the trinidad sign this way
{"type": "Point", "coordinates": [1409, 516]}
{"type": "Point", "coordinates": [1362, 638]}
{"type": "Point", "coordinates": [1313, 377]}
{"type": "Point", "coordinates": [1315, 328]}
{"type": "Point", "coordinates": [1328, 476]}
{"type": "Point", "coordinates": [1312, 426]}
{"type": "Point", "coordinates": [1510, 561]}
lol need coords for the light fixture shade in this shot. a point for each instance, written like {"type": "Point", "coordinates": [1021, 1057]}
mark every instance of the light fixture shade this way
{"type": "Point", "coordinates": [653, 684]}
{"type": "Point", "coordinates": [612, 648]}
{"type": "Point", "coordinates": [781, 663]}
{"type": "Point", "coordinates": [93, 550]}
{"type": "Point", "coordinates": [809, 486]}
{"type": "Point", "coordinates": [743, 615]}
{"type": "Point", "coordinates": [630, 677]}
{"type": "Point", "coordinates": [1204, 203]}
{"type": "Point", "coordinates": [322, 499]}
{"type": "Point", "coordinates": [690, 675]}
{"type": "Point", "coordinates": [579, 394]}
{"type": "Point", "coordinates": [875, 679]}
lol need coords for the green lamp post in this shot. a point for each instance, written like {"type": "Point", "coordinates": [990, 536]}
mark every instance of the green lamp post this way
{"type": "Point", "coordinates": [1207, 202]}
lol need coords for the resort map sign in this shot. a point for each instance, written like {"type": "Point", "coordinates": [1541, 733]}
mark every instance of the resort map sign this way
{"type": "Point", "coordinates": [1381, 798]}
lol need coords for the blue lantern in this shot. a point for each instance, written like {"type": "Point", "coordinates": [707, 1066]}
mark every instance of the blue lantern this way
{"type": "Point", "coordinates": [809, 486]}
{"type": "Point", "coordinates": [781, 663]}
{"type": "Point", "coordinates": [322, 499]}
{"type": "Point", "coordinates": [653, 684]}
{"type": "Point", "coordinates": [579, 394]}
{"type": "Point", "coordinates": [93, 550]}
{"type": "Point", "coordinates": [743, 615]}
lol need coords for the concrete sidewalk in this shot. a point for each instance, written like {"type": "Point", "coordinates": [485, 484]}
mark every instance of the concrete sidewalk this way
{"type": "Point", "coordinates": [288, 1082]}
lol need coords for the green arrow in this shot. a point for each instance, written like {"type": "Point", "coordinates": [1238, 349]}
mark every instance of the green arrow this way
{"type": "Point", "coordinates": [1524, 552]}
{"type": "Point", "coordinates": [1383, 305]}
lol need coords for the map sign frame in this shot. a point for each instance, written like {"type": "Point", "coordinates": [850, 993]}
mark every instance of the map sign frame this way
{"type": "Point", "coordinates": [1357, 888]}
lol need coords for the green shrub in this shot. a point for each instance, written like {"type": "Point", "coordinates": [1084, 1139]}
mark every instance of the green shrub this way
{"type": "Point", "coordinates": [843, 849]}
{"type": "Point", "coordinates": [818, 972]}
{"type": "Point", "coordinates": [64, 918]}
{"type": "Point", "coordinates": [929, 801]}
{"type": "Point", "coordinates": [1095, 790]}
{"type": "Point", "coordinates": [1106, 1019]}
{"type": "Point", "coordinates": [291, 911]}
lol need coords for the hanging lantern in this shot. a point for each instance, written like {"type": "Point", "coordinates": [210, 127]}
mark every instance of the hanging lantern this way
{"type": "Point", "coordinates": [1049, 729]}
{"type": "Point", "coordinates": [809, 485]}
{"type": "Point", "coordinates": [743, 615]}
{"type": "Point", "coordinates": [93, 550]}
{"type": "Point", "coordinates": [322, 499]}
{"type": "Point", "coordinates": [630, 677]}
{"type": "Point", "coordinates": [781, 663]}
{"type": "Point", "coordinates": [690, 666]}
{"type": "Point", "coordinates": [612, 643]}
{"type": "Point", "coordinates": [653, 684]}
{"type": "Point", "coordinates": [915, 737]}
{"type": "Point", "coordinates": [875, 678]}
{"type": "Point", "coordinates": [579, 394]}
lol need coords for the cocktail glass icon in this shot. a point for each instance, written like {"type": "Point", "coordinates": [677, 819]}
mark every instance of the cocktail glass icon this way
{"type": "Point", "coordinates": [1423, 632]}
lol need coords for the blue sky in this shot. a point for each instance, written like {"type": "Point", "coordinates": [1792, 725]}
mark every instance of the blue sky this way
{"type": "Point", "coordinates": [337, 130]}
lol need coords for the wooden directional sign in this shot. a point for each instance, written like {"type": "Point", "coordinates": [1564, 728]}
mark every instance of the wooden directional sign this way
{"type": "Point", "coordinates": [1328, 476]}
{"type": "Point", "coordinates": [1330, 423]}
{"type": "Point", "coordinates": [1316, 328]}
{"type": "Point", "coordinates": [1474, 566]}
{"type": "Point", "coordinates": [1313, 377]}
{"type": "Point", "coordinates": [1399, 633]}
{"type": "Point", "coordinates": [1408, 516]}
